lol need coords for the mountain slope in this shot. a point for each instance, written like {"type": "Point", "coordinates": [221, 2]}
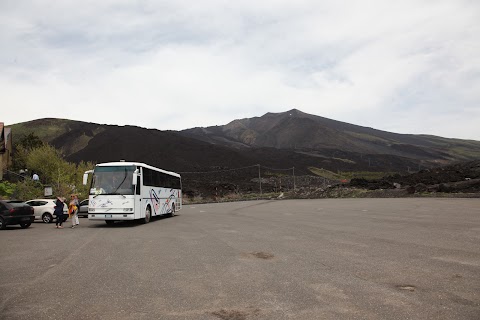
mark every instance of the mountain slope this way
{"type": "Point", "coordinates": [168, 149]}
{"type": "Point", "coordinates": [301, 131]}
{"type": "Point", "coordinates": [82, 141]}
{"type": "Point", "coordinates": [68, 135]}
{"type": "Point", "coordinates": [279, 140]}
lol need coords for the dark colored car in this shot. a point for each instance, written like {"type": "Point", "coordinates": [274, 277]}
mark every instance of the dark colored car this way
{"type": "Point", "coordinates": [83, 208]}
{"type": "Point", "coordinates": [15, 213]}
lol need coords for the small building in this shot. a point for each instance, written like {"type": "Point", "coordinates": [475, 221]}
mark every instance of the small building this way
{"type": "Point", "coordinates": [6, 147]}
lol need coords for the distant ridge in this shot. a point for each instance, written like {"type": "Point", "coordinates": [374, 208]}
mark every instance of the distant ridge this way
{"type": "Point", "coordinates": [282, 140]}
{"type": "Point", "coordinates": [297, 130]}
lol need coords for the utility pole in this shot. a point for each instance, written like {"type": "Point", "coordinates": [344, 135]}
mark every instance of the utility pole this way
{"type": "Point", "coordinates": [259, 179]}
{"type": "Point", "coordinates": [293, 179]}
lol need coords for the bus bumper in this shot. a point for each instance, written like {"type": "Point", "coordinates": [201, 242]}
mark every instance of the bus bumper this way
{"type": "Point", "coordinates": [110, 216]}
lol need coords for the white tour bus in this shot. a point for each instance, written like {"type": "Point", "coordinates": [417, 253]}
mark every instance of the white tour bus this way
{"type": "Point", "coordinates": [132, 190]}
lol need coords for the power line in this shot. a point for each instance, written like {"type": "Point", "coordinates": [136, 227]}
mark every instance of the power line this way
{"type": "Point", "coordinates": [241, 168]}
{"type": "Point", "coordinates": [288, 169]}
{"type": "Point", "coordinates": [258, 166]}
{"type": "Point", "coordinates": [255, 165]}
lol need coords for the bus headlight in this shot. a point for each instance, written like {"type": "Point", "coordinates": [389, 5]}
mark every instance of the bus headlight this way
{"type": "Point", "coordinates": [127, 209]}
{"type": "Point", "coordinates": [91, 210]}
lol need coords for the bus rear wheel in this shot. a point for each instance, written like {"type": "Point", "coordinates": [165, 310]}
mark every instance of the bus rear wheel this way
{"type": "Point", "coordinates": [172, 213]}
{"type": "Point", "coordinates": [148, 214]}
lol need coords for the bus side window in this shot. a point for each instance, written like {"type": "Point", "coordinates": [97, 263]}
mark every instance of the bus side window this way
{"type": "Point", "coordinates": [148, 177]}
{"type": "Point", "coordinates": [177, 183]}
{"type": "Point", "coordinates": [162, 179]}
{"type": "Point", "coordinates": [138, 185]}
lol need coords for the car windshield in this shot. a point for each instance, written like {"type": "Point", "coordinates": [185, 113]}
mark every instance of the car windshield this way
{"type": "Point", "coordinates": [113, 180]}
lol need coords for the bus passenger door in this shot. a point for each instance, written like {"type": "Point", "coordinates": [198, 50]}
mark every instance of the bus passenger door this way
{"type": "Point", "coordinates": [138, 206]}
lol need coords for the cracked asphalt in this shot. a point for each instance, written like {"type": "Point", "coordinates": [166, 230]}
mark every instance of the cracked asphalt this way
{"type": "Point", "coordinates": [289, 259]}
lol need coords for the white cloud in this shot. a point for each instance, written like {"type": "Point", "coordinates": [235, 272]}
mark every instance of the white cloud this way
{"type": "Point", "coordinates": [408, 67]}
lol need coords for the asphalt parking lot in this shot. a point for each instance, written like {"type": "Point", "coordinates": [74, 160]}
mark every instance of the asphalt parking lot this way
{"type": "Point", "coordinates": [291, 259]}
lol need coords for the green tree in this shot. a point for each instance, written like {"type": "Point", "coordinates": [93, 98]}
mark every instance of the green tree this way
{"type": "Point", "coordinates": [22, 148]}
{"type": "Point", "coordinates": [64, 177]}
{"type": "Point", "coordinates": [6, 189]}
{"type": "Point", "coordinates": [30, 141]}
{"type": "Point", "coordinates": [19, 158]}
{"type": "Point", "coordinates": [27, 189]}
{"type": "Point", "coordinates": [47, 162]}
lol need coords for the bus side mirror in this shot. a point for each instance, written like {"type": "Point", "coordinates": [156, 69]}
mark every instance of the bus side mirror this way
{"type": "Point", "coordinates": [134, 178]}
{"type": "Point", "coordinates": [85, 176]}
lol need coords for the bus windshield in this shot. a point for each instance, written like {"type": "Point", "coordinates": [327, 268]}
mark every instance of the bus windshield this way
{"type": "Point", "coordinates": [113, 180]}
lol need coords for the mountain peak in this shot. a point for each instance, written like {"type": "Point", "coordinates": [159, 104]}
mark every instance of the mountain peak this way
{"type": "Point", "coordinates": [289, 112]}
{"type": "Point", "coordinates": [292, 112]}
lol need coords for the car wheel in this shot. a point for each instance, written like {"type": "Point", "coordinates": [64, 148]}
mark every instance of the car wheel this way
{"type": "Point", "coordinates": [109, 222]}
{"type": "Point", "coordinates": [148, 214]}
{"type": "Point", "coordinates": [25, 225]}
{"type": "Point", "coordinates": [3, 225]}
{"type": "Point", "coordinates": [47, 217]}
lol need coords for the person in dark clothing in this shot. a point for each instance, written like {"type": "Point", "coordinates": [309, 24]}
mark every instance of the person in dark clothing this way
{"type": "Point", "coordinates": [59, 212]}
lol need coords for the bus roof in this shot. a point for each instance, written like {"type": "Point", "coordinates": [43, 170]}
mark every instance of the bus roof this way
{"type": "Point", "coordinates": [138, 164]}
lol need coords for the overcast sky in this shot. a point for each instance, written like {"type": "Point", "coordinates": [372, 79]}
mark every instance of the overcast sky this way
{"type": "Point", "coordinates": [400, 66]}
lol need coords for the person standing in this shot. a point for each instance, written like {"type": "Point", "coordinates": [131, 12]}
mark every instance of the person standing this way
{"type": "Point", "coordinates": [59, 213]}
{"type": "Point", "coordinates": [73, 210]}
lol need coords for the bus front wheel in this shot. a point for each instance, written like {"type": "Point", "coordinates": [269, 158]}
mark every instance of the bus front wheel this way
{"type": "Point", "coordinates": [148, 214]}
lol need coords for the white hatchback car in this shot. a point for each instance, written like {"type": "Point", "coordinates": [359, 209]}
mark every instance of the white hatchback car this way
{"type": "Point", "coordinates": [44, 209]}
